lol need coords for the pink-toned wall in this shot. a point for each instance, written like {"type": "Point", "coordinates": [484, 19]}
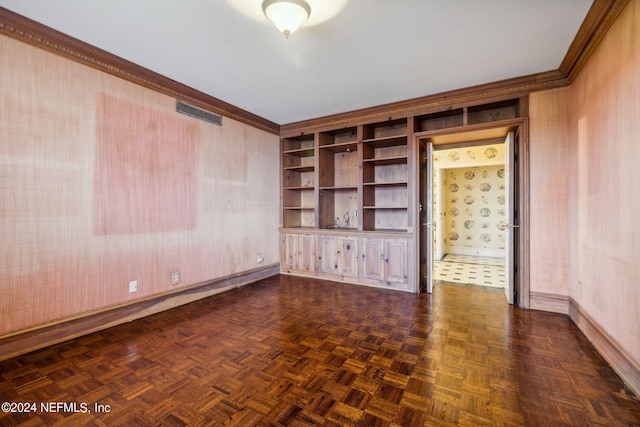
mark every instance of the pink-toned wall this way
{"type": "Point", "coordinates": [102, 182]}
{"type": "Point", "coordinates": [604, 160]}
{"type": "Point", "coordinates": [549, 193]}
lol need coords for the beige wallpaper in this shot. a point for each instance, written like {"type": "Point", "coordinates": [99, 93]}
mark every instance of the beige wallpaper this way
{"type": "Point", "coordinates": [475, 209]}
{"type": "Point", "coordinates": [471, 206]}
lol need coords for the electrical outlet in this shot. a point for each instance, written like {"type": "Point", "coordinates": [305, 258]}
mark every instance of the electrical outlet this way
{"type": "Point", "coordinates": [133, 286]}
{"type": "Point", "coordinates": [175, 278]}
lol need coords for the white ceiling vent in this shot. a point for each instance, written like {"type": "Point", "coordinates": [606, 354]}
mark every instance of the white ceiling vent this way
{"type": "Point", "coordinates": [198, 113]}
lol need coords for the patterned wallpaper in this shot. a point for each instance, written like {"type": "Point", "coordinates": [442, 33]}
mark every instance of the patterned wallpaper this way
{"type": "Point", "coordinates": [473, 199]}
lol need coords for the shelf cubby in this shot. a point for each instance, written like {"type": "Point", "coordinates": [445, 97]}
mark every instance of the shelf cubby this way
{"type": "Point", "coordinates": [493, 112]}
{"type": "Point", "coordinates": [298, 181]}
{"type": "Point", "coordinates": [338, 178]}
{"type": "Point", "coordinates": [385, 130]}
{"type": "Point", "coordinates": [440, 120]}
{"type": "Point", "coordinates": [385, 176]}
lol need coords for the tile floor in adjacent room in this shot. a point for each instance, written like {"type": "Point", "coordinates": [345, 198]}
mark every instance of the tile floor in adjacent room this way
{"type": "Point", "coordinates": [471, 270]}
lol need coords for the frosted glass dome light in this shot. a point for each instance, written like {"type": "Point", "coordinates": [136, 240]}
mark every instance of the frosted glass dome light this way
{"type": "Point", "coordinates": [286, 15]}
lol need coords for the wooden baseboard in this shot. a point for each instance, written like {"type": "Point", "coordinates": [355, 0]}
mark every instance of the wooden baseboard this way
{"type": "Point", "coordinates": [618, 358]}
{"type": "Point", "coordinates": [25, 341]}
{"type": "Point", "coordinates": [549, 302]}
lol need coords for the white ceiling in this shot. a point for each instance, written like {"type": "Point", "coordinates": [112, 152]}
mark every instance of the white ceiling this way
{"type": "Point", "coordinates": [370, 53]}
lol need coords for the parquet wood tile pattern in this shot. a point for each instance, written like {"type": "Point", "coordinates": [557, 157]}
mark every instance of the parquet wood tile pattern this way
{"type": "Point", "coordinates": [289, 351]}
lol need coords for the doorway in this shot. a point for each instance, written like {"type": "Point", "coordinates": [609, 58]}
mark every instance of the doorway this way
{"type": "Point", "coordinates": [468, 216]}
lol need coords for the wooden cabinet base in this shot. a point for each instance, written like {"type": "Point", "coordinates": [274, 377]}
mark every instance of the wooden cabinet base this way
{"type": "Point", "coordinates": [362, 258]}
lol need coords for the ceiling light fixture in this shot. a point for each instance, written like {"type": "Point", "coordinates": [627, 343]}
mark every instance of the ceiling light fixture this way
{"type": "Point", "coordinates": [286, 15]}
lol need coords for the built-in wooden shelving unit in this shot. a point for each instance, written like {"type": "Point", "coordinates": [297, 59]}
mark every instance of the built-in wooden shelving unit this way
{"type": "Point", "coordinates": [349, 192]}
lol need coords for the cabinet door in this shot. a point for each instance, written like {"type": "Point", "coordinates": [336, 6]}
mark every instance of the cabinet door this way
{"type": "Point", "coordinates": [328, 254]}
{"type": "Point", "coordinates": [348, 258]}
{"type": "Point", "coordinates": [373, 259]}
{"type": "Point", "coordinates": [395, 252]}
{"type": "Point", "coordinates": [306, 252]}
{"type": "Point", "coordinates": [290, 252]}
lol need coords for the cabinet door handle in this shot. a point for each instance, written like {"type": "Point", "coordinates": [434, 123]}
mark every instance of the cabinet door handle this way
{"type": "Point", "coordinates": [338, 253]}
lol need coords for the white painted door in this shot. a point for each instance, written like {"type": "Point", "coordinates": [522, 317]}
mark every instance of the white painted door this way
{"type": "Point", "coordinates": [511, 226]}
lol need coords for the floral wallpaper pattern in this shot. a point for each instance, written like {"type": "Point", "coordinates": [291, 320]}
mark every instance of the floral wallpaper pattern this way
{"type": "Point", "coordinates": [475, 207]}
{"type": "Point", "coordinates": [473, 197]}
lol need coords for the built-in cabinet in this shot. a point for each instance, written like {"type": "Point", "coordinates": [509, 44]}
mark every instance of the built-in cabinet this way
{"type": "Point", "coordinates": [352, 258]}
{"type": "Point", "coordinates": [349, 210]}
{"type": "Point", "coordinates": [298, 253]}
{"type": "Point", "coordinates": [385, 261]}
{"type": "Point", "coordinates": [338, 255]}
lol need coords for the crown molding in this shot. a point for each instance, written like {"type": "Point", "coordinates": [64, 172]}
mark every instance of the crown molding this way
{"type": "Point", "coordinates": [599, 19]}
{"type": "Point", "coordinates": [26, 30]}
{"type": "Point", "coordinates": [485, 93]}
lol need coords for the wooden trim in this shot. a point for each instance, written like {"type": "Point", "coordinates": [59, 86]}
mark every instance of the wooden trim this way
{"type": "Point", "coordinates": [524, 209]}
{"type": "Point", "coordinates": [521, 125]}
{"type": "Point", "coordinates": [465, 129]}
{"type": "Point", "coordinates": [26, 30]}
{"type": "Point", "coordinates": [618, 358]}
{"type": "Point", "coordinates": [549, 302]}
{"type": "Point", "coordinates": [486, 93]}
{"type": "Point", "coordinates": [599, 19]}
{"type": "Point", "coordinates": [31, 339]}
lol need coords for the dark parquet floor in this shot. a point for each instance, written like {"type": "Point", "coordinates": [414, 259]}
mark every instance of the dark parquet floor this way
{"type": "Point", "coordinates": [300, 352]}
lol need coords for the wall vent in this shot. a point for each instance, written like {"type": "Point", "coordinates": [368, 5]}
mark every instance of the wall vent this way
{"type": "Point", "coordinates": [198, 113]}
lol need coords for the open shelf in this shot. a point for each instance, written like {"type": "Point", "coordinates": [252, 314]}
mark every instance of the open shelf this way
{"type": "Point", "coordinates": [385, 184]}
{"type": "Point", "coordinates": [345, 147]}
{"type": "Point", "coordinates": [492, 112]}
{"type": "Point", "coordinates": [477, 114]}
{"type": "Point", "coordinates": [338, 179]}
{"type": "Point", "coordinates": [340, 188]}
{"type": "Point", "coordinates": [391, 160]}
{"type": "Point", "coordinates": [298, 182]}
{"type": "Point", "coordinates": [300, 152]}
{"type": "Point", "coordinates": [388, 130]}
{"type": "Point", "coordinates": [390, 141]}
{"type": "Point", "coordinates": [298, 188]}
{"type": "Point", "coordinates": [385, 158]}
{"type": "Point", "coordinates": [440, 120]}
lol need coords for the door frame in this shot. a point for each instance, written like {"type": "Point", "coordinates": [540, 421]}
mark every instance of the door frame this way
{"type": "Point", "coordinates": [470, 135]}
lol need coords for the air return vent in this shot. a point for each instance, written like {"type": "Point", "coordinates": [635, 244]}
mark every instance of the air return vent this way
{"type": "Point", "coordinates": [198, 113]}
